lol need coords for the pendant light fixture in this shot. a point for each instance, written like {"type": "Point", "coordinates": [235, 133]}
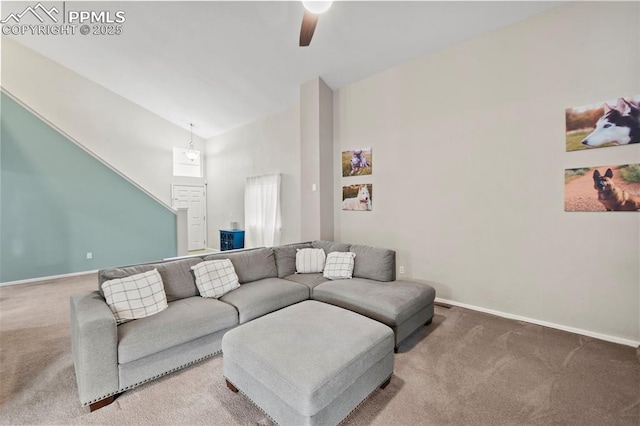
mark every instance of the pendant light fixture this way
{"type": "Point", "coordinates": [191, 152]}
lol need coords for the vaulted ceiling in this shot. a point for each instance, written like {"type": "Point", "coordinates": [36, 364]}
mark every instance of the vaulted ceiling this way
{"type": "Point", "coordinates": [223, 64]}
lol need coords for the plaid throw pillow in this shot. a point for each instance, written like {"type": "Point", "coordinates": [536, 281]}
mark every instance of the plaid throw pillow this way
{"type": "Point", "coordinates": [135, 297]}
{"type": "Point", "coordinates": [310, 260]}
{"type": "Point", "coordinates": [215, 278]}
{"type": "Point", "coordinates": [339, 265]}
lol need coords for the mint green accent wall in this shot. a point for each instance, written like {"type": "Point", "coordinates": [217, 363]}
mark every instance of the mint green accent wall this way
{"type": "Point", "coordinates": [57, 203]}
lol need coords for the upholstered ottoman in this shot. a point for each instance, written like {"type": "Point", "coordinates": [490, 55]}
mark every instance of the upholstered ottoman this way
{"type": "Point", "coordinates": [308, 364]}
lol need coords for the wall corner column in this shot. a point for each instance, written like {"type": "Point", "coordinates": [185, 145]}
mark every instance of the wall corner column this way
{"type": "Point", "coordinates": [316, 155]}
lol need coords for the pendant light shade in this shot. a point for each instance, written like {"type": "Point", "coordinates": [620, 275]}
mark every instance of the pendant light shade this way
{"type": "Point", "coordinates": [191, 152]}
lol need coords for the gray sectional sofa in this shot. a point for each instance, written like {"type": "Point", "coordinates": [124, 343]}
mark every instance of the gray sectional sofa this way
{"type": "Point", "coordinates": [110, 359]}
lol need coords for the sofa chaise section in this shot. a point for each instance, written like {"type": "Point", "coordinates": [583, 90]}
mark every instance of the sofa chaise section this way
{"type": "Point", "coordinates": [402, 305]}
{"type": "Point", "coordinates": [373, 291]}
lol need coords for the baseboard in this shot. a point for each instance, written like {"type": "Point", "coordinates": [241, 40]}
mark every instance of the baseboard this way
{"type": "Point", "coordinates": [52, 277]}
{"type": "Point", "coordinates": [606, 337]}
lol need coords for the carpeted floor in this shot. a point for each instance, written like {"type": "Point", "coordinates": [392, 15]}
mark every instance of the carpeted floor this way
{"type": "Point", "coordinates": [466, 368]}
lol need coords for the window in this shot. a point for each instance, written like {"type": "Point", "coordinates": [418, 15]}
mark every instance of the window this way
{"type": "Point", "coordinates": [182, 166]}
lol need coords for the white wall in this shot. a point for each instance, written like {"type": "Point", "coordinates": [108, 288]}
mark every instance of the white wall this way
{"type": "Point", "coordinates": [468, 159]}
{"type": "Point", "coordinates": [271, 145]}
{"type": "Point", "coordinates": [129, 138]}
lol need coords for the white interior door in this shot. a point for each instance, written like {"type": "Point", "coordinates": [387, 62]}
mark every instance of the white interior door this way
{"type": "Point", "coordinates": [193, 198]}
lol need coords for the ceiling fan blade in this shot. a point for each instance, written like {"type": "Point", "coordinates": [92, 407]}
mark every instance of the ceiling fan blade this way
{"type": "Point", "coordinates": [309, 21]}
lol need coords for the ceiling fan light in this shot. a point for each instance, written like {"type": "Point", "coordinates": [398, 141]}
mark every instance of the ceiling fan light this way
{"type": "Point", "coordinates": [317, 6]}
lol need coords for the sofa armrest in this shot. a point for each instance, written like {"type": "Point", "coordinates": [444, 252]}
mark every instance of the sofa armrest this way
{"type": "Point", "coordinates": [94, 343]}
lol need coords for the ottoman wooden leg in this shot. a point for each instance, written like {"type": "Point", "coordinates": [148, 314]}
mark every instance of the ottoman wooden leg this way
{"type": "Point", "coordinates": [429, 322]}
{"type": "Point", "coordinates": [233, 388]}
{"type": "Point", "coordinates": [385, 384]}
{"type": "Point", "coordinates": [103, 402]}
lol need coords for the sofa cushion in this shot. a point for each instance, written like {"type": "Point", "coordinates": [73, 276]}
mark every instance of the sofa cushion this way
{"type": "Point", "coordinates": [310, 280]}
{"type": "Point", "coordinates": [330, 246]}
{"type": "Point", "coordinates": [183, 321]}
{"type": "Point", "coordinates": [310, 261]}
{"type": "Point", "coordinates": [339, 265]}
{"type": "Point", "coordinates": [134, 297]}
{"type": "Point", "coordinates": [389, 302]}
{"type": "Point", "coordinates": [250, 265]}
{"type": "Point", "coordinates": [286, 258]}
{"type": "Point", "coordinates": [176, 276]}
{"type": "Point", "coordinates": [258, 298]}
{"type": "Point", "coordinates": [374, 263]}
{"type": "Point", "coordinates": [215, 278]}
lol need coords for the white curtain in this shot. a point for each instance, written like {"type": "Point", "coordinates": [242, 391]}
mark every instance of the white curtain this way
{"type": "Point", "coordinates": [262, 221]}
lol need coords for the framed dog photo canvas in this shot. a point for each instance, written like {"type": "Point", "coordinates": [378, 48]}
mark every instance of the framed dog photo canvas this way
{"type": "Point", "coordinates": [356, 162]}
{"type": "Point", "coordinates": [604, 188]}
{"type": "Point", "coordinates": [357, 197]}
{"type": "Point", "coordinates": [608, 123]}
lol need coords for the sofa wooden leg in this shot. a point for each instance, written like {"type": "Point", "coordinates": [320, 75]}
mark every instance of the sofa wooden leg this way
{"type": "Point", "coordinates": [395, 349]}
{"type": "Point", "coordinates": [233, 388]}
{"type": "Point", "coordinates": [429, 322]}
{"type": "Point", "coordinates": [103, 402]}
{"type": "Point", "coordinates": [385, 384]}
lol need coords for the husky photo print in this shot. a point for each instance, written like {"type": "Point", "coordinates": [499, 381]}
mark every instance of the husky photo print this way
{"type": "Point", "coordinates": [357, 197]}
{"type": "Point", "coordinates": [604, 188]}
{"type": "Point", "coordinates": [609, 123]}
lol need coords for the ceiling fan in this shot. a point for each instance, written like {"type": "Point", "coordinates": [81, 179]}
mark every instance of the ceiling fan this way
{"type": "Point", "coordinates": [312, 8]}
